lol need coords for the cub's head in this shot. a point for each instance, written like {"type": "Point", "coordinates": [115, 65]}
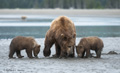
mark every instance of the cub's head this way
{"type": "Point", "coordinates": [79, 50]}
{"type": "Point", "coordinates": [36, 50]}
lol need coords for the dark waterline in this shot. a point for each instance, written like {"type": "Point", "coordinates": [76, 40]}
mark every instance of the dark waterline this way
{"type": "Point", "coordinates": [40, 31]}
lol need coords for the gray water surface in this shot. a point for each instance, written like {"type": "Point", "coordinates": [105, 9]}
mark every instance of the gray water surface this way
{"type": "Point", "coordinates": [37, 26]}
{"type": "Point", "coordinates": [40, 31]}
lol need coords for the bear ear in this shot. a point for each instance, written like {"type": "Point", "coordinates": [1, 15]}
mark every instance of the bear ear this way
{"type": "Point", "coordinates": [74, 35]}
{"type": "Point", "coordinates": [39, 46]}
{"type": "Point", "coordinates": [62, 35]}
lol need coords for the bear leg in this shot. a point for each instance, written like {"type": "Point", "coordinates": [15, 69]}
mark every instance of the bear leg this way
{"type": "Point", "coordinates": [19, 54]}
{"type": "Point", "coordinates": [83, 54]}
{"type": "Point", "coordinates": [12, 51]}
{"type": "Point", "coordinates": [88, 53]}
{"type": "Point", "coordinates": [29, 53]}
{"type": "Point", "coordinates": [63, 54]}
{"type": "Point", "coordinates": [58, 50]}
{"type": "Point", "coordinates": [48, 45]}
{"type": "Point", "coordinates": [98, 53]}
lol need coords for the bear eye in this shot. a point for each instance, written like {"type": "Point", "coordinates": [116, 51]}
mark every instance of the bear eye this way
{"type": "Point", "coordinates": [65, 38]}
{"type": "Point", "coordinates": [81, 47]}
{"type": "Point", "coordinates": [74, 35]}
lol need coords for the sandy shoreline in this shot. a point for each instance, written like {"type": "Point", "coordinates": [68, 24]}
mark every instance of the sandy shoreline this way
{"type": "Point", "coordinates": [71, 12]}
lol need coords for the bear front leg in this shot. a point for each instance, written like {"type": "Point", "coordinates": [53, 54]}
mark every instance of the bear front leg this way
{"type": "Point", "coordinates": [29, 53]}
{"type": "Point", "coordinates": [11, 53]}
{"type": "Point", "coordinates": [63, 54]}
{"type": "Point", "coordinates": [19, 54]}
{"type": "Point", "coordinates": [83, 54]}
{"type": "Point", "coordinates": [88, 53]}
{"type": "Point", "coordinates": [48, 44]}
{"type": "Point", "coordinates": [58, 50]}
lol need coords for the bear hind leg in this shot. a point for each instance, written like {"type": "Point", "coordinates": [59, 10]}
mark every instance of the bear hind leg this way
{"type": "Point", "coordinates": [18, 52]}
{"type": "Point", "coordinates": [98, 53]}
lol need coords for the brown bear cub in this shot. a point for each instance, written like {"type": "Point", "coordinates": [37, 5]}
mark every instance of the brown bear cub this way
{"type": "Point", "coordinates": [19, 43]}
{"type": "Point", "coordinates": [89, 43]}
{"type": "Point", "coordinates": [62, 33]}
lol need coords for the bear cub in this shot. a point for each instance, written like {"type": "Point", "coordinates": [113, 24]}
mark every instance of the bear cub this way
{"type": "Point", "coordinates": [89, 43]}
{"type": "Point", "coordinates": [20, 43]}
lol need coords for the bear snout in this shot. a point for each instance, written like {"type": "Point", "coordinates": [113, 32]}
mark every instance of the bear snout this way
{"type": "Point", "coordinates": [79, 55]}
{"type": "Point", "coordinates": [70, 50]}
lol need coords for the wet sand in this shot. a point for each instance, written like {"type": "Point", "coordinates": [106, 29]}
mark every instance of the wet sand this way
{"type": "Point", "coordinates": [109, 63]}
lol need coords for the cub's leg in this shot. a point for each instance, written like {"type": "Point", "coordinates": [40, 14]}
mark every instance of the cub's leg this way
{"type": "Point", "coordinates": [29, 53]}
{"type": "Point", "coordinates": [11, 53]}
{"type": "Point", "coordinates": [18, 52]}
{"type": "Point", "coordinates": [83, 54]}
{"type": "Point", "coordinates": [88, 53]}
{"type": "Point", "coordinates": [98, 53]}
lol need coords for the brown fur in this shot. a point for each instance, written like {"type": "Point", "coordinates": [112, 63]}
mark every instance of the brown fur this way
{"type": "Point", "coordinates": [19, 43]}
{"type": "Point", "coordinates": [89, 43]}
{"type": "Point", "coordinates": [62, 32]}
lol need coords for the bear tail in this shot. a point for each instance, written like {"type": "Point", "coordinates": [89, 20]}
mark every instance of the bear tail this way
{"type": "Point", "coordinates": [62, 20]}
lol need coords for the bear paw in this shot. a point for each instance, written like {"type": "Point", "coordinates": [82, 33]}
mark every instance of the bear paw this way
{"type": "Point", "coordinates": [12, 58]}
{"type": "Point", "coordinates": [55, 56]}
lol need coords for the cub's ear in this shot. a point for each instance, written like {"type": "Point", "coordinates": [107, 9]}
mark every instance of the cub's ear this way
{"type": "Point", "coordinates": [62, 35]}
{"type": "Point", "coordinates": [39, 46]}
{"type": "Point", "coordinates": [74, 35]}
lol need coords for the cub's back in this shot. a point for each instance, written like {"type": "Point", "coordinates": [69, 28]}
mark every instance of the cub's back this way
{"type": "Point", "coordinates": [95, 41]}
{"type": "Point", "coordinates": [20, 40]}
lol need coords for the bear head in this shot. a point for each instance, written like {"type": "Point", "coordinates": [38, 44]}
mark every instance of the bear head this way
{"type": "Point", "coordinates": [79, 50]}
{"type": "Point", "coordinates": [36, 50]}
{"type": "Point", "coordinates": [67, 43]}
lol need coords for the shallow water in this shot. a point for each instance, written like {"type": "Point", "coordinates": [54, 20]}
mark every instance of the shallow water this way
{"type": "Point", "coordinates": [37, 26]}
{"type": "Point", "coordinates": [40, 31]}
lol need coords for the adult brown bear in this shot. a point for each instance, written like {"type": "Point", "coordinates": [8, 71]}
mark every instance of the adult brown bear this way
{"type": "Point", "coordinates": [19, 43]}
{"type": "Point", "coordinates": [62, 33]}
{"type": "Point", "coordinates": [89, 43]}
